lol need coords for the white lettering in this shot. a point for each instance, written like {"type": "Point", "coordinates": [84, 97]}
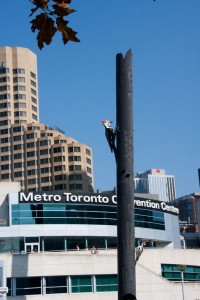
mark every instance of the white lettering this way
{"type": "Point", "coordinates": [28, 198]}
{"type": "Point", "coordinates": [37, 197]}
{"type": "Point", "coordinates": [114, 199]}
{"type": "Point", "coordinates": [57, 198]}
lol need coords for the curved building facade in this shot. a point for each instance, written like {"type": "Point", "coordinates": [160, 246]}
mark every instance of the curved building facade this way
{"type": "Point", "coordinates": [61, 221]}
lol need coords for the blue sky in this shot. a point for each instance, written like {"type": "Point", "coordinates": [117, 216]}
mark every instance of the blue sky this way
{"type": "Point", "coordinates": [77, 87]}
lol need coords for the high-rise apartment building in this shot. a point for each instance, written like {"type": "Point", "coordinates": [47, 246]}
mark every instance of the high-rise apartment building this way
{"type": "Point", "coordinates": [155, 181]}
{"type": "Point", "coordinates": [36, 155]}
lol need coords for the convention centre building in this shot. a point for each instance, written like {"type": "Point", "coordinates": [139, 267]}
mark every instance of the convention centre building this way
{"type": "Point", "coordinates": [65, 243]}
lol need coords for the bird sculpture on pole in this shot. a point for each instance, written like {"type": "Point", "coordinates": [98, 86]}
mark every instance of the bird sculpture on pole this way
{"type": "Point", "coordinates": [110, 136]}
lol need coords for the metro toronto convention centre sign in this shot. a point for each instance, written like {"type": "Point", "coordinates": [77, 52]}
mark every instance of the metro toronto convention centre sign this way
{"type": "Point", "coordinates": [93, 199]}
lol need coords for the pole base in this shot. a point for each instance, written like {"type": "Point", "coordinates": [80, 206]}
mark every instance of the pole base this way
{"type": "Point", "coordinates": [129, 297]}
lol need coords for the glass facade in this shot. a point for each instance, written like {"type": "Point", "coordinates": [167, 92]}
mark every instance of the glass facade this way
{"type": "Point", "coordinates": [56, 284]}
{"type": "Point", "coordinates": [61, 284]}
{"type": "Point", "coordinates": [81, 284]}
{"type": "Point", "coordinates": [106, 283]}
{"type": "Point", "coordinates": [171, 272]}
{"type": "Point", "coordinates": [81, 214]}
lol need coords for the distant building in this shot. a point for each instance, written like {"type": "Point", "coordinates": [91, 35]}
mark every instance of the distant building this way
{"type": "Point", "coordinates": [155, 181]}
{"type": "Point", "coordinates": [189, 218]}
{"type": "Point", "coordinates": [36, 155]}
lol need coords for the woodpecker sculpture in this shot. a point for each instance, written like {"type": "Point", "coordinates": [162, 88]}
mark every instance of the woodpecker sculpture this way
{"type": "Point", "coordinates": [110, 135]}
{"type": "Point", "coordinates": [138, 252]}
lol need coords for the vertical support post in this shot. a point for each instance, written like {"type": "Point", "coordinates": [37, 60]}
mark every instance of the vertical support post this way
{"type": "Point", "coordinates": [125, 178]}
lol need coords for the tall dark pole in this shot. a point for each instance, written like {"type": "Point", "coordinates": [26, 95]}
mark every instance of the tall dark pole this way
{"type": "Point", "coordinates": [125, 179]}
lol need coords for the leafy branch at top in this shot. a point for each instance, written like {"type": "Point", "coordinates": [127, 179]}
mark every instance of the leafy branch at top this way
{"type": "Point", "coordinates": [50, 20]}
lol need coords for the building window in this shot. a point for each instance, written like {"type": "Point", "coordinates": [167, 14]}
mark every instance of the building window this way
{"type": "Point", "coordinates": [6, 122]}
{"type": "Point", "coordinates": [5, 157]}
{"type": "Point", "coordinates": [56, 284]}
{"type": "Point", "coordinates": [32, 181]}
{"type": "Point", "coordinates": [4, 70]}
{"type": "Point", "coordinates": [88, 161]}
{"type": "Point", "coordinates": [18, 79]}
{"type": "Point", "coordinates": [45, 142]}
{"type": "Point", "coordinates": [34, 108]}
{"type": "Point", "coordinates": [58, 149]}
{"type": "Point", "coordinates": [31, 153]}
{"type": "Point", "coordinates": [59, 168]}
{"type": "Point", "coordinates": [4, 131]}
{"type": "Point", "coordinates": [59, 158]}
{"type": "Point", "coordinates": [33, 92]}
{"type": "Point", "coordinates": [89, 170]}
{"type": "Point", "coordinates": [74, 149]}
{"type": "Point", "coordinates": [18, 155]}
{"type": "Point", "coordinates": [45, 170]}
{"type": "Point", "coordinates": [31, 135]}
{"type": "Point", "coordinates": [20, 114]}
{"type": "Point", "coordinates": [18, 128]}
{"type": "Point", "coordinates": [149, 219]}
{"type": "Point", "coordinates": [88, 152]}
{"type": "Point", "coordinates": [46, 179]}
{"type": "Point", "coordinates": [4, 105]}
{"type": "Point", "coordinates": [45, 151]}
{"type": "Point", "coordinates": [18, 174]}
{"type": "Point", "coordinates": [76, 186]}
{"type": "Point", "coordinates": [31, 145]}
{"type": "Point", "coordinates": [19, 105]}
{"type": "Point", "coordinates": [17, 147]}
{"type": "Point", "coordinates": [171, 272]}
{"type": "Point", "coordinates": [34, 117]}
{"type": "Point", "coordinates": [31, 172]}
{"type": "Point", "coordinates": [18, 71]}
{"type": "Point", "coordinates": [18, 165]}
{"type": "Point", "coordinates": [34, 100]}
{"type": "Point", "coordinates": [75, 177]}
{"type": "Point", "coordinates": [19, 88]}
{"type": "Point", "coordinates": [5, 79]}
{"type": "Point", "coordinates": [5, 149]}
{"type": "Point", "coordinates": [106, 283]}
{"type": "Point", "coordinates": [33, 75]}
{"type": "Point", "coordinates": [74, 158]}
{"type": "Point", "coordinates": [4, 96]}
{"type": "Point", "coordinates": [17, 138]}
{"type": "Point", "coordinates": [75, 168]}
{"type": "Point", "coordinates": [5, 140]}
{"type": "Point", "coordinates": [60, 177]}
{"type": "Point", "coordinates": [5, 167]}
{"type": "Point", "coordinates": [20, 96]}
{"type": "Point", "coordinates": [81, 284]}
{"type": "Point", "coordinates": [4, 88]}
{"type": "Point", "coordinates": [60, 187]}
{"type": "Point", "coordinates": [5, 176]}
{"type": "Point", "coordinates": [31, 163]}
{"type": "Point", "coordinates": [28, 286]}
{"type": "Point", "coordinates": [45, 161]}
{"type": "Point", "coordinates": [33, 83]}
{"type": "Point", "coordinates": [5, 114]}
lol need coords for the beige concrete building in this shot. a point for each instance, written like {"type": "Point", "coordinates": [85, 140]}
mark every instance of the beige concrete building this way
{"type": "Point", "coordinates": [36, 155]}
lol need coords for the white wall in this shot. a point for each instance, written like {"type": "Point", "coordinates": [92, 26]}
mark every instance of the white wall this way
{"type": "Point", "coordinates": [150, 284]}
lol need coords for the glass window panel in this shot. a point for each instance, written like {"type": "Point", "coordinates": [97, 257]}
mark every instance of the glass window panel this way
{"type": "Point", "coordinates": [81, 284]}
{"type": "Point", "coordinates": [56, 284]}
{"type": "Point", "coordinates": [28, 286]}
{"type": "Point", "coordinates": [106, 283]}
{"type": "Point", "coordinates": [191, 273]}
{"type": "Point", "coordinates": [9, 287]}
{"type": "Point", "coordinates": [54, 243]}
